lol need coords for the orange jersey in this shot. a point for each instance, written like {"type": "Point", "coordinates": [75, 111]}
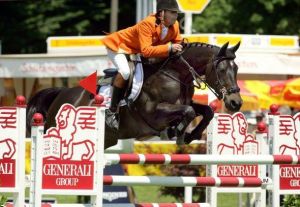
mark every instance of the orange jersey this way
{"type": "Point", "coordinates": [143, 38]}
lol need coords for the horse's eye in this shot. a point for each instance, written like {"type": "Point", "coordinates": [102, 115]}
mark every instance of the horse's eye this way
{"type": "Point", "coordinates": [223, 70]}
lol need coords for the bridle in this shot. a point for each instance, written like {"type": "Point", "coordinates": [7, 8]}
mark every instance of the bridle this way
{"type": "Point", "coordinates": [220, 91]}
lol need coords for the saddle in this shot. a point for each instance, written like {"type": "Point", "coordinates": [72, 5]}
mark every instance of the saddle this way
{"type": "Point", "coordinates": [134, 85]}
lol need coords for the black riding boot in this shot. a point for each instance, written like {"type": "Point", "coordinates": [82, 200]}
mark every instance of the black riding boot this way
{"type": "Point", "coordinates": [112, 116]}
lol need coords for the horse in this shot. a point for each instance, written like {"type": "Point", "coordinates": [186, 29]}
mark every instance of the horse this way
{"type": "Point", "coordinates": [165, 100]}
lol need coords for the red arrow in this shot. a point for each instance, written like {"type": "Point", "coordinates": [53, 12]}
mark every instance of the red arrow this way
{"type": "Point", "coordinates": [89, 83]}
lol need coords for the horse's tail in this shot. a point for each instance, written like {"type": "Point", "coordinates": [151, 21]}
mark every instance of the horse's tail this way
{"type": "Point", "coordinates": [40, 103]}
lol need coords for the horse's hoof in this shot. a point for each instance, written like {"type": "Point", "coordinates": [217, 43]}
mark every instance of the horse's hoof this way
{"type": "Point", "coordinates": [188, 138]}
{"type": "Point", "coordinates": [180, 141]}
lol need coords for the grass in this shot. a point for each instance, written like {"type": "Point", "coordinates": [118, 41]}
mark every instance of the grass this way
{"type": "Point", "coordinates": [59, 199]}
{"type": "Point", "coordinates": [231, 199]}
{"type": "Point", "coordinates": [151, 194]}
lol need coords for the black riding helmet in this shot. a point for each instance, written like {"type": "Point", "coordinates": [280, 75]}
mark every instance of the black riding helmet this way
{"type": "Point", "coordinates": [167, 5]}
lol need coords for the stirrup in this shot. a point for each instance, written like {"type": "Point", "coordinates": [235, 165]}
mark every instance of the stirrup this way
{"type": "Point", "coordinates": [112, 119]}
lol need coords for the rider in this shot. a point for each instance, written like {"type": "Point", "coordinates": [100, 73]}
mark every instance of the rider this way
{"type": "Point", "coordinates": [150, 37]}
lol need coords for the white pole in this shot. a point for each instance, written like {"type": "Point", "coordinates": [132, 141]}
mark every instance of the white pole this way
{"type": "Point", "coordinates": [274, 139]}
{"type": "Point", "coordinates": [188, 194]}
{"type": "Point", "coordinates": [154, 6]}
{"type": "Point", "coordinates": [96, 200]}
{"type": "Point", "coordinates": [138, 10]}
{"type": "Point", "coordinates": [240, 200]}
{"type": "Point", "coordinates": [114, 15]}
{"type": "Point", "coordinates": [20, 172]}
{"type": "Point", "coordinates": [188, 20]}
{"type": "Point", "coordinates": [37, 133]}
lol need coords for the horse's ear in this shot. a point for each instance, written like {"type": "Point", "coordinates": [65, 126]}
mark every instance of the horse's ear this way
{"type": "Point", "coordinates": [235, 48]}
{"type": "Point", "coordinates": [222, 51]}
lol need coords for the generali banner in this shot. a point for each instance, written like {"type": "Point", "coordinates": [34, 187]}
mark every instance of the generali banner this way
{"type": "Point", "coordinates": [288, 143]}
{"type": "Point", "coordinates": [69, 149]}
{"type": "Point", "coordinates": [233, 139]}
{"type": "Point", "coordinates": [8, 146]}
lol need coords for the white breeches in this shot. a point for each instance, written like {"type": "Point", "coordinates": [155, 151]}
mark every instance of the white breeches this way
{"type": "Point", "coordinates": [120, 61]}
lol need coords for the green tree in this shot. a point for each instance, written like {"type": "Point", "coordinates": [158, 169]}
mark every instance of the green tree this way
{"type": "Point", "coordinates": [291, 200]}
{"type": "Point", "coordinates": [280, 17]}
{"type": "Point", "coordinates": [25, 26]}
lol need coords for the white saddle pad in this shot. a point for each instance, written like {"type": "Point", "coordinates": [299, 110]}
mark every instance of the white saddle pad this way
{"type": "Point", "coordinates": [137, 84]}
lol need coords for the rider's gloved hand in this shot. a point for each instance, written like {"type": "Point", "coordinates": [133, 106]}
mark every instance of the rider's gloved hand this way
{"type": "Point", "coordinates": [175, 48]}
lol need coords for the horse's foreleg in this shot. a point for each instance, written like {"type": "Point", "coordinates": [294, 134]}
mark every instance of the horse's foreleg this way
{"type": "Point", "coordinates": [169, 113]}
{"type": "Point", "coordinates": [207, 113]}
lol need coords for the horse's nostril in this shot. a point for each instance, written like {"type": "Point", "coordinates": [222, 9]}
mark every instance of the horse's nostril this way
{"type": "Point", "coordinates": [235, 104]}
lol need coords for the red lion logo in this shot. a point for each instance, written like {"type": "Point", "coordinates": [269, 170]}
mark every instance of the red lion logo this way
{"type": "Point", "coordinates": [74, 127]}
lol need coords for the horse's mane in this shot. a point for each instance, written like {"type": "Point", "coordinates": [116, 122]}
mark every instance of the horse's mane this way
{"type": "Point", "coordinates": [153, 64]}
{"type": "Point", "coordinates": [199, 44]}
{"type": "Point", "coordinates": [215, 49]}
{"type": "Point", "coordinates": [187, 45]}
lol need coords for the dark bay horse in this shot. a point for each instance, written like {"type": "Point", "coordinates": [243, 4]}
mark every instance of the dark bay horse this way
{"type": "Point", "coordinates": [166, 97]}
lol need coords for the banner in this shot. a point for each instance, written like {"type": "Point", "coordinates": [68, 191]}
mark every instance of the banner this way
{"type": "Point", "coordinates": [46, 66]}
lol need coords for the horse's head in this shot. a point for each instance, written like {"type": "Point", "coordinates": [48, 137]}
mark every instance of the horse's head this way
{"type": "Point", "coordinates": [217, 65]}
{"type": "Point", "coordinates": [221, 76]}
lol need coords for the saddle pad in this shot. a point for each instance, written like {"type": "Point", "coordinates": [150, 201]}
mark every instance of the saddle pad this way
{"type": "Point", "coordinates": [137, 84]}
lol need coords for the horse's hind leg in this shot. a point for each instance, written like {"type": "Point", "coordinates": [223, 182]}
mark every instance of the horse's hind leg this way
{"type": "Point", "coordinates": [173, 113]}
{"type": "Point", "coordinates": [207, 114]}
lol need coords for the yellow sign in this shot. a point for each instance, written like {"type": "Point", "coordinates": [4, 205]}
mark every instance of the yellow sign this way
{"type": "Point", "coordinates": [221, 40]}
{"type": "Point", "coordinates": [88, 42]}
{"type": "Point", "coordinates": [282, 41]}
{"type": "Point", "coordinates": [193, 6]}
{"type": "Point", "coordinates": [197, 38]}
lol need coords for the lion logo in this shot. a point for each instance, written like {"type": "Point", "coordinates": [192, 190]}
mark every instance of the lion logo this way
{"type": "Point", "coordinates": [237, 140]}
{"type": "Point", "coordinates": [74, 128]}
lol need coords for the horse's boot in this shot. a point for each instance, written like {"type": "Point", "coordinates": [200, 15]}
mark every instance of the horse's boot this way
{"type": "Point", "coordinates": [188, 138]}
{"type": "Point", "coordinates": [112, 116]}
{"type": "Point", "coordinates": [195, 135]}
